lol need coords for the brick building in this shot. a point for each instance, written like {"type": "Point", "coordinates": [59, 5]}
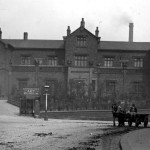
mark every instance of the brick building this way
{"type": "Point", "coordinates": [107, 70]}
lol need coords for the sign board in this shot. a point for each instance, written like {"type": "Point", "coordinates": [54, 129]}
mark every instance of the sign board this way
{"type": "Point", "coordinates": [31, 91]}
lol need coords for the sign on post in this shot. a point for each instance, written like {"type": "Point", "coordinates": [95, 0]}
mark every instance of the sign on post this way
{"type": "Point", "coordinates": [31, 92]}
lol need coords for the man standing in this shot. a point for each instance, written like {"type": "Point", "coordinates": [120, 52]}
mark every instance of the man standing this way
{"type": "Point", "coordinates": [133, 111]}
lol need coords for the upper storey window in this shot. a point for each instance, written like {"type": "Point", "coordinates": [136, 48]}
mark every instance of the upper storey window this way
{"type": "Point", "coordinates": [138, 62]}
{"type": "Point", "coordinates": [81, 61]}
{"type": "Point", "coordinates": [25, 60]}
{"type": "Point", "coordinates": [52, 61]}
{"type": "Point", "coordinates": [81, 41]}
{"type": "Point", "coordinates": [39, 61]}
{"type": "Point", "coordinates": [108, 61]}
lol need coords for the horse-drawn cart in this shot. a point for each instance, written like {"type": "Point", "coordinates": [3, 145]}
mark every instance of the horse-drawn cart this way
{"type": "Point", "coordinates": [137, 119]}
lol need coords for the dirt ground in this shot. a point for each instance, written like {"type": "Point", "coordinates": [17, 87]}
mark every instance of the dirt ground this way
{"type": "Point", "coordinates": [27, 133]}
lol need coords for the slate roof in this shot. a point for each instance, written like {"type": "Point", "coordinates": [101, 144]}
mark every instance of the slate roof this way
{"type": "Point", "coordinates": [59, 44]}
{"type": "Point", "coordinates": [118, 45]}
{"type": "Point", "coordinates": [35, 44]}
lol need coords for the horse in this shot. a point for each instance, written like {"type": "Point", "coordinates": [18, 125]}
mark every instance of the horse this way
{"type": "Point", "coordinates": [114, 112]}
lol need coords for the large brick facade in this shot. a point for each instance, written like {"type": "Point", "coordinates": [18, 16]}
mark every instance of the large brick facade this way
{"type": "Point", "coordinates": [110, 70]}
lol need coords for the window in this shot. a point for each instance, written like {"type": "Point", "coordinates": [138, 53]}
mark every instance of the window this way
{"type": "Point", "coordinates": [22, 83]}
{"type": "Point", "coordinates": [52, 61]}
{"type": "Point", "coordinates": [81, 41]}
{"type": "Point", "coordinates": [108, 61]}
{"type": "Point", "coordinates": [81, 61]}
{"type": "Point", "coordinates": [93, 85]}
{"type": "Point", "coordinates": [39, 61]}
{"type": "Point", "coordinates": [25, 60]}
{"type": "Point", "coordinates": [138, 62]}
{"type": "Point", "coordinates": [124, 65]}
{"type": "Point", "coordinates": [110, 87]}
{"type": "Point", "coordinates": [137, 87]}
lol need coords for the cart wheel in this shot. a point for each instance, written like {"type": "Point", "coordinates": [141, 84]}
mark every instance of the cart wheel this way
{"type": "Point", "coordinates": [137, 122]}
{"type": "Point", "coordinates": [145, 122]}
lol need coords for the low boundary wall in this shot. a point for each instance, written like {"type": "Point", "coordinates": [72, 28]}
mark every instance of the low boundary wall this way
{"type": "Point", "coordinates": [103, 115]}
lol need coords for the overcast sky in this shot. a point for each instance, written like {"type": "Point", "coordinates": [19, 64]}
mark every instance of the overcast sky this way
{"type": "Point", "coordinates": [48, 19]}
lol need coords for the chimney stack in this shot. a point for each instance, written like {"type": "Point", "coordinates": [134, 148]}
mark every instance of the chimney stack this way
{"type": "Point", "coordinates": [68, 30]}
{"type": "Point", "coordinates": [25, 35]}
{"type": "Point", "coordinates": [96, 32]}
{"type": "Point", "coordinates": [0, 34]}
{"type": "Point", "coordinates": [83, 23]}
{"type": "Point", "coordinates": [131, 32]}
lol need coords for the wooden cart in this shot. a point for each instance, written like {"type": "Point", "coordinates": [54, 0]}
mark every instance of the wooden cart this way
{"type": "Point", "coordinates": [137, 119]}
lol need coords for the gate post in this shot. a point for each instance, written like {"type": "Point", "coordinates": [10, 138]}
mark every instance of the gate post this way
{"type": "Point", "coordinates": [36, 108]}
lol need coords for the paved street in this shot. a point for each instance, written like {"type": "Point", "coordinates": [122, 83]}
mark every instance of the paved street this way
{"type": "Point", "coordinates": [27, 133]}
{"type": "Point", "coordinates": [19, 132]}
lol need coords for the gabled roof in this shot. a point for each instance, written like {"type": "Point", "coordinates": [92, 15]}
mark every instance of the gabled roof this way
{"type": "Point", "coordinates": [35, 44]}
{"type": "Point", "coordinates": [119, 45]}
{"type": "Point", "coordinates": [83, 29]}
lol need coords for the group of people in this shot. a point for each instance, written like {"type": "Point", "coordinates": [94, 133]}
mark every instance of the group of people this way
{"type": "Point", "coordinates": [119, 112]}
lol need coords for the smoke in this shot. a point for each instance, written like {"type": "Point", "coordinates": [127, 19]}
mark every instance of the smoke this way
{"type": "Point", "coordinates": [117, 27]}
{"type": "Point", "coordinates": [121, 19]}
{"type": "Point", "coordinates": [125, 19]}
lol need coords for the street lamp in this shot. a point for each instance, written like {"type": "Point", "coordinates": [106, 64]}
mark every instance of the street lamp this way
{"type": "Point", "coordinates": [36, 63]}
{"type": "Point", "coordinates": [124, 68]}
{"type": "Point", "coordinates": [46, 87]}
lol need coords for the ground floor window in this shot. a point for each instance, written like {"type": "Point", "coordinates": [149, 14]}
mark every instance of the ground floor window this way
{"type": "Point", "coordinates": [137, 88]}
{"type": "Point", "coordinates": [110, 87]}
{"type": "Point", "coordinates": [22, 83]}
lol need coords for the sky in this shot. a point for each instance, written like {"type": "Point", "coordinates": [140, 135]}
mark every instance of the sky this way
{"type": "Point", "coordinates": [48, 19]}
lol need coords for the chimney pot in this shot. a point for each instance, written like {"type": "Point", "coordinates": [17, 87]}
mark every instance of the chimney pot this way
{"type": "Point", "coordinates": [25, 35]}
{"type": "Point", "coordinates": [96, 32]}
{"type": "Point", "coordinates": [68, 30]}
{"type": "Point", "coordinates": [83, 23]}
{"type": "Point", "coordinates": [131, 32]}
{"type": "Point", "coordinates": [0, 33]}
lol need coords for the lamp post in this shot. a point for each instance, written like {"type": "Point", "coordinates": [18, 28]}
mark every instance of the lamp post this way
{"type": "Point", "coordinates": [36, 72]}
{"type": "Point", "coordinates": [46, 87]}
{"type": "Point", "coordinates": [124, 68]}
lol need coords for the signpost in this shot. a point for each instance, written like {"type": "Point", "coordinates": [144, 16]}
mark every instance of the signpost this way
{"type": "Point", "coordinates": [30, 102]}
{"type": "Point", "coordinates": [31, 91]}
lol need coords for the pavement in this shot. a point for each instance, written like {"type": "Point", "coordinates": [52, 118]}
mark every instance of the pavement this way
{"type": "Point", "coordinates": [136, 140]}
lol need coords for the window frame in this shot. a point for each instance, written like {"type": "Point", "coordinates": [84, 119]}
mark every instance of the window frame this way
{"type": "Point", "coordinates": [138, 62]}
{"type": "Point", "coordinates": [38, 59]}
{"type": "Point", "coordinates": [108, 61]}
{"type": "Point", "coordinates": [109, 85]}
{"type": "Point", "coordinates": [24, 81]}
{"type": "Point", "coordinates": [25, 61]}
{"type": "Point", "coordinates": [80, 60]}
{"type": "Point", "coordinates": [81, 41]}
{"type": "Point", "coordinates": [52, 61]}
